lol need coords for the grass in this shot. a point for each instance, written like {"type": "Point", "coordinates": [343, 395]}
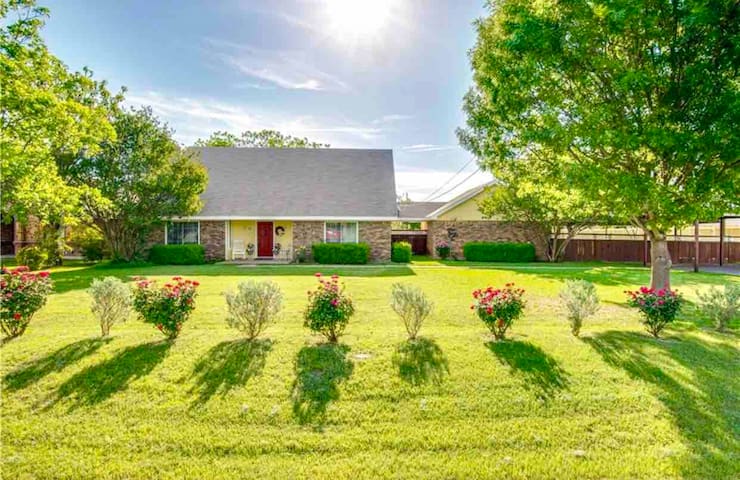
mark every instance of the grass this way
{"type": "Point", "coordinates": [453, 404]}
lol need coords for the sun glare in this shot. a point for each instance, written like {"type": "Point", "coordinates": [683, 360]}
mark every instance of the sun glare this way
{"type": "Point", "coordinates": [359, 20]}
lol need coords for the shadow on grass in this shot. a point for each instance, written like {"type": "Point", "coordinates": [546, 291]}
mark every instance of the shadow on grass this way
{"type": "Point", "coordinates": [99, 382]}
{"type": "Point", "coordinates": [319, 371]}
{"type": "Point", "coordinates": [705, 404]}
{"type": "Point", "coordinates": [421, 361]}
{"type": "Point", "coordinates": [33, 371]}
{"type": "Point", "coordinates": [540, 372]}
{"type": "Point", "coordinates": [228, 365]}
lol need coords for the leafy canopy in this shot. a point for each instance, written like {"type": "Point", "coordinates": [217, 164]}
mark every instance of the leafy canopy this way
{"type": "Point", "coordinates": [258, 139]}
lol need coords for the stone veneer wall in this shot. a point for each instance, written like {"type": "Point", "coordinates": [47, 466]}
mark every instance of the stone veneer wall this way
{"type": "Point", "coordinates": [213, 239]}
{"type": "Point", "coordinates": [306, 234]}
{"type": "Point", "coordinates": [378, 236]}
{"type": "Point", "coordinates": [479, 231]}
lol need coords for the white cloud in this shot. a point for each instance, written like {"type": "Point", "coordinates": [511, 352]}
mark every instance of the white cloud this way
{"type": "Point", "coordinates": [392, 118]}
{"type": "Point", "coordinates": [428, 147]}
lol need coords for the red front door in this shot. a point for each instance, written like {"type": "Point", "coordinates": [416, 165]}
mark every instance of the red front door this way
{"type": "Point", "coordinates": [264, 239]}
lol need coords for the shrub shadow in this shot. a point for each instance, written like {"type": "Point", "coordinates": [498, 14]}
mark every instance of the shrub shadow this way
{"type": "Point", "coordinates": [99, 382]}
{"type": "Point", "coordinates": [33, 371]}
{"type": "Point", "coordinates": [421, 361]}
{"type": "Point", "coordinates": [540, 372]}
{"type": "Point", "coordinates": [705, 405]}
{"type": "Point", "coordinates": [228, 365]}
{"type": "Point", "coordinates": [319, 371]}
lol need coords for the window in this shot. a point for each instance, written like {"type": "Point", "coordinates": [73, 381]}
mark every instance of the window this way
{"type": "Point", "coordinates": [182, 232]}
{"type": "Point", "coordinates": [340, 232]}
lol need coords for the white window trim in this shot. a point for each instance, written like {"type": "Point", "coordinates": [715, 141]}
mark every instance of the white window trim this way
{"type": "Point", "coordinates": [357, 230]}
{"type": "Point", "coordinates": [180, 221]}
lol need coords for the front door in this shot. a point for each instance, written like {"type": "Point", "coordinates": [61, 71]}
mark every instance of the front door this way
{"type": "Point", "coordinates": [264, 239]}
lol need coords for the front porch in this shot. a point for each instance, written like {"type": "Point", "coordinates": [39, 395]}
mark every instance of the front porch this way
{"type": "Point", "coordinates": [259, 241]}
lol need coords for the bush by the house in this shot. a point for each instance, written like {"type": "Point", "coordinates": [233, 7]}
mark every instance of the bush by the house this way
{"type": "Point", "coordinates": [90, 244]}
{"type": "Point", "coordinates": [412, 305]}
{"type": "Point", "coordinates": [253, 307]}
{"type": "Point", "coordinates": [721, 306]}
{"type": "Point", "coordinates": [442, 249]}
{"type": "Point", "coordinates": [499, 252]}
{"type": "Point", "coordinates": [401, 252]}
{"type": "Point", "coordinates": [33, 257]}
{"type": "Point", "coordinates": [301, 254]}
{"type": "Point", "coordinates": [341, 253]}
{"type": "Point", "coordinates": [23, 294]}
{"type": "Point", "coordinates": [658, 307]}
{"type": "Point", "coordinates": [581, 301]}
{"type": "Point", "coordinates": [498, 308]}
{"type": "Point", "coordinates": [190, 254]}
{"type": "Point", "coordinates": [329, 308]}
{"type": "Point", "coordinates": [111, 302]}
{"type": "Point", "coordinates": [167, 307]}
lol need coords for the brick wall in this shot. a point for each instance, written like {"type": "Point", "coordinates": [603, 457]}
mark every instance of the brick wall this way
{"type": "Point", "coordinates": [306, 234]}
{"type": "Point", "coordinates": [213, 239]}
{"type": "Point", "coordinates": [378, 236]}
{"type": "Point", "coordinates": [479, 231]}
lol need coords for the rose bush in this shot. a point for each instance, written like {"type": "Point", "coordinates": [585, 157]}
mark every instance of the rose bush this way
{"type": "Point", "coordinates": [443, 250]}
{"type": "Point", "coordinates": [658, 307]}
{"type": "Point", "coordinates": [23, 294]}
{"type": "Point", "coordinates": [498, 308]}
{"type": "Point", "coordinates": [329, 308]}
{"type": "Point", "coordinates": [168, 306]}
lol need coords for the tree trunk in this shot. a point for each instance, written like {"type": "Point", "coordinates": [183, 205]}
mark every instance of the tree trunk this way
{"type": "Point", "coordinates": [660, 262]}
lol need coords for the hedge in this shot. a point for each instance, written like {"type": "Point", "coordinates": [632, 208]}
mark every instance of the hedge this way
{"type": "Point", "coordinates": [499, 252]}
{"type": "Point", "coordinates": [177, 254]}
{"type": "Point", "coordinates": [341, 253]}
{"type": "Point", "coordinates": [401, 252]}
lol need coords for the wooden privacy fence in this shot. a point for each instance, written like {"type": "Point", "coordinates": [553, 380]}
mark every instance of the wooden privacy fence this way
{"type": "Point", "coordinates": [417, 239]}
{"type": "Point", "coordinates": [617, 250]}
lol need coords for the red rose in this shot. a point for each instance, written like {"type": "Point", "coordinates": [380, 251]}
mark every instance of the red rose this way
{"type": "Point", "coordinates": [17, 316]}
{"type": "Point", "coordinates": [43, 274]}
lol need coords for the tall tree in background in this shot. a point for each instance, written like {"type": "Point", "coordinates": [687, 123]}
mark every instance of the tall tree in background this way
{"type": "Point", "coordinates": [638, 100]}
{"type": "Point", "coordinates": [258, 139]}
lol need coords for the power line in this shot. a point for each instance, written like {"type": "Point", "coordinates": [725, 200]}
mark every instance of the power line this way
{"type": "Point", "coordinates": [451, 189]}
{"type": "Point", "coordinates": [449, 179]}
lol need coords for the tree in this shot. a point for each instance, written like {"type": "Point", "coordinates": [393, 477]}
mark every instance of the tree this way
{"type": "Point", "coordinates": [258, 139]}
{"type": "Point", "coordinates": [638, 100]}
{"type": "Point", "coordinates": [136, 182]}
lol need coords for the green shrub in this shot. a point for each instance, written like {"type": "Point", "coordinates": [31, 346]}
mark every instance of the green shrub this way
{"type": "Point", "coordinates": [23, 293]}
{"type": "Point", "coordinates": [177, 254]}
{"type": "Point", "coordinates": [442, 249]}
{"type": "Point", "coordinates": [498, 308]}
{"type": "Point", "coordinates": [401, 252]}
{"type": "Point", "coordinates": [658, 307]}
{"type": "Point", "coordinates": [329, 308]}
{"type": "Point", "coordinates": [33, 257]}
{"type": "Point", "coordinates": [111, 302]}
{"type": "Point", "coordinates": [341, 253]}
{"type": "Point", "coordinates": [166, 307]}
{"type": "Point", "coordinates": [721, 306]}
{"type": "Point", "coordinates": [90, 244]}
{"type": "Point", "coordinates": [411, 305]}
{"type": "Point", "coordinates": [253, 306]}
{"type": "Point", "coordinates": [579, 297]}
{"type": "Point", "coordinates": [498, 252]}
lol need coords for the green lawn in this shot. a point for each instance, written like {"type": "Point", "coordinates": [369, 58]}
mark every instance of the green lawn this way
{"type": "Point", "coordinates": [613, 404]}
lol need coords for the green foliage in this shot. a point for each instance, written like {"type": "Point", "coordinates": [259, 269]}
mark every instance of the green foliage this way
{"type": "Point", "coordinates": [401, 252]}
{"type": "Point", "coordinates": [721, 305]}
{"type": "Point", "coordinates": [412, 305]}
{"type": "Point", "coordinates": [581, 301]}
{"type": "Point", "coordinates": [33, 256]}
{"type": "Point", "coordinates": [329, 309]}
{"type": "Point", "coordinates": [188, 254]}
{"type": "Point", "coordinates": [90, 243]}
{"type": "Point", "coordinates": [341, 253]}
{"type": "Point", "coordinates": [658, 307]}
{"type": "Point", "coordinates": [498, 308]}
{"type": "Point", "coordinates": [23, 294]}
{"type": "Point", "coordinates": [443, 250]}
{"type": "Point", "coordinates": [499, 252]}
{"type": "Point", "coordinates": [258, 139]}
{"type": "Point", "coordinates": [167, 307]}
{"type": "Point", "coordinates": [111, 302]}
{"type": "Point", "coordinates": [253, 307]}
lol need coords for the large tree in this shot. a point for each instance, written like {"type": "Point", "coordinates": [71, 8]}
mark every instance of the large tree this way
{"type": "Point", "coordinates": [258, 139]}
{"type": "Point", "coordinates": [639, 100]}
{"type": "Point", "coordinates": [134, 183]}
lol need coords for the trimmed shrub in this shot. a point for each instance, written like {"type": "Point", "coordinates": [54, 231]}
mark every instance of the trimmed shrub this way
{"type": "Point", "coordinates": [498, 308]}
{"type": "Point", "coordinates": [253, 307]}
{"type": "Point", "coordinates": [658, 307]}
{"type": "Point", "coordinates": [23, 294]}
{"type": "Point", "coordinates": [329, 308]}
{"type": "Point", "coordinates": [111, 302]}
{"type": "Point", "coordinates": [341, 253]}
{"type": "Point", "coordinates": [167, 307]}
{"type": "Point", "coordinates": [401, 252]}
{"type": "Point", "coordinates": [721, 306]}
{"type": "Point", "coordinates": [90, 244]}
{"type": "Point", "coordinates": [499, 252]}
{"type": "Point", "coordinates": [411, 305]}
{"type": "Point", "coordinates": [442, 249]}
{"type": "Point", "coordinates": [189, 254]}
{"type": "Point", "coordinates": [579, 297]}
{"type": "Point", "coordinates": [33, 257]}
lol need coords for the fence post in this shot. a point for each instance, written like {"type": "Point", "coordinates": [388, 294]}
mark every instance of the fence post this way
{"type": "Point", "coordinates": [696, 246]}
{"type": "Point", "coordinates": [721, 241]}
{"type": "Point", "coordinates": [644, 249]}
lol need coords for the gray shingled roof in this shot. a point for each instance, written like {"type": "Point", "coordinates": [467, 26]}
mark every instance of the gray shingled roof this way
{"type": "Point", "coordinates": [298, 182]}
{"type": "Point", "coordinates": [418, 210]}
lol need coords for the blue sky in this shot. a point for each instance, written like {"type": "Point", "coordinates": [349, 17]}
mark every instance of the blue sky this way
{"type": "Point", "coordinates": [352, 73]}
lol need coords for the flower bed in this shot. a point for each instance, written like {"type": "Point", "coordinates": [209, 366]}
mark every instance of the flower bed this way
{"type": "Point", "coordinates": [167, 307]}
{"type": "Point", "coordinates": [498, 308]}
{"type": "Point", "coordinates": [23, 294]}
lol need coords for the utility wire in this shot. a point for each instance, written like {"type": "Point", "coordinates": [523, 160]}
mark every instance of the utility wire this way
{"type": "Point", "coordinates": [449, 179]}
{"type": "Point", "coordinates": [451, 189]}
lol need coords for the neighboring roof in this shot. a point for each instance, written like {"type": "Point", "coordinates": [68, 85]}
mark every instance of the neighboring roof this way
{"type": "Point", "coordinates": [417, 210]}
{"type": "Point", "coordinates": [460, 199]}
{"type": "Point", "coordinates": [329, 183]}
